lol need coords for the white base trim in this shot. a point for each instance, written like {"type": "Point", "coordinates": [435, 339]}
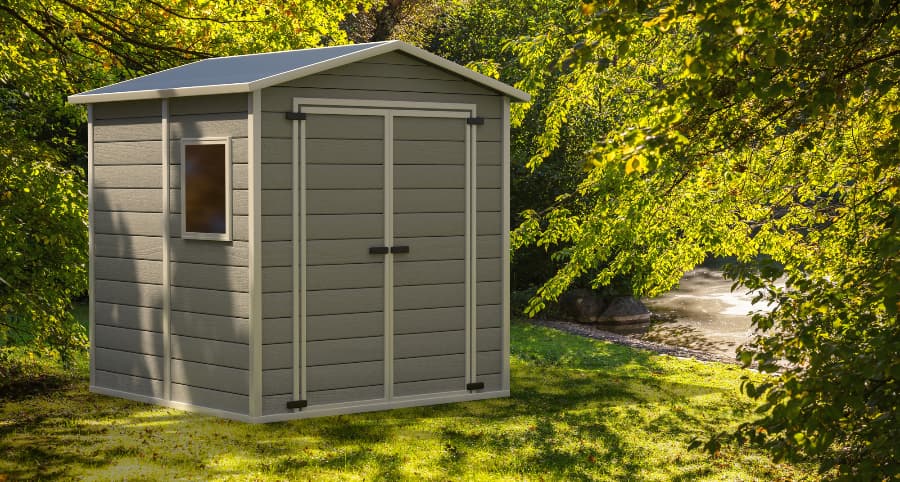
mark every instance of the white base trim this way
{"type": "Point", "coordinates": [314, 411]}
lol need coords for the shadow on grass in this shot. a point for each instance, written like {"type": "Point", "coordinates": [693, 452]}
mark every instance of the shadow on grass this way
{"type": "Point", "coordinates": [564, 419]}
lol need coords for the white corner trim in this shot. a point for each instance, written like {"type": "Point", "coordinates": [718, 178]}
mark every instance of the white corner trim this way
{"type": "Point", "coordinates": [166, 241]}
{"type": "Point", "coordinates": [505, 215]}
{"type": "Point", "coordinates": [254, 175]}
{"type": "Point", "coordinates": [91, 268]}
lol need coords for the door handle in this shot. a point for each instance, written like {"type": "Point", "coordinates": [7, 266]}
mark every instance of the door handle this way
{"type": "Point", "coordinates": [378, 250]}
{"type": "Point", "coordinates": [399, 249]}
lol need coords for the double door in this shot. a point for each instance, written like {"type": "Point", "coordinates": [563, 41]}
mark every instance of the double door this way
{"type": "Point", "coordinates": [386, 250]}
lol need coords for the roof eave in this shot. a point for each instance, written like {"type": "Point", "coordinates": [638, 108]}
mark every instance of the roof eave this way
{"type": "Point", "coordinates": [86, 98]}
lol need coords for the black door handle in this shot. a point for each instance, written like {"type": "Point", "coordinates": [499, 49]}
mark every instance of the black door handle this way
{"type": "Point", "coordinates": [378, 250]}
{"type": "Point", "coordinates": [399, 249]}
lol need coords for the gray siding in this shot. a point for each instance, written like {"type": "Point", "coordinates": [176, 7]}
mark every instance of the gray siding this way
{"type": "Point", "coordinates": [127, 221]}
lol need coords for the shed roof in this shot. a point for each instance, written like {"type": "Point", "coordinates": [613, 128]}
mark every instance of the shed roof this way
{"type": "Point", "coordinates": [247, 73]}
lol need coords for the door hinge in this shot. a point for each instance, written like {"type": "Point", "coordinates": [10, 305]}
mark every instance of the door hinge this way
{"type": "Point", "coordinates": [475, 386]}
{"type": "Point", "coordinates": [294, 116]}
{"type": "Point", "coordinates": [298, 404]}
{"type": "Point", "coordinates": [475, 121]}
{"type": "Point", "coordinates": [379, 250]}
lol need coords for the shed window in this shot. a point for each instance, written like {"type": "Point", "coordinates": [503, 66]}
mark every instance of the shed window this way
{"type": "Point", "coordinates": [206, 189]}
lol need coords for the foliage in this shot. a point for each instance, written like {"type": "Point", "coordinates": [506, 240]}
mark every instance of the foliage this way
{"type": "Point", "coordinates": [579, 410]}
{"type": "Point", "coordinates": [761, 130]}
{"type": "Point", "coordinates": [54, 48]}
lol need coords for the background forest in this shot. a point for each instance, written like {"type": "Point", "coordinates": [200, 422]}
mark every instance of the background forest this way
{"type": "Point", "coordinates": [660, 134]}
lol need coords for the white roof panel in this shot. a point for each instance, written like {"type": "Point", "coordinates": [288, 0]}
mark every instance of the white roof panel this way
{"type": "Point", "coordinates": [245, 73]}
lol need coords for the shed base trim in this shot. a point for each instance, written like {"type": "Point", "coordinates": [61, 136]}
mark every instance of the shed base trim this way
{"type": "Point", "coordinates": [315, 411]}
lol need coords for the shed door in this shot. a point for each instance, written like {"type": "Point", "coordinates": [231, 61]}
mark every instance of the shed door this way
{"type": "Point", "coordinates": [408, 197]}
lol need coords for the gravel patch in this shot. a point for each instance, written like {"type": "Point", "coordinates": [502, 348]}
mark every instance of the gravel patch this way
{"type": "Point", "coordinates": [592, 331]}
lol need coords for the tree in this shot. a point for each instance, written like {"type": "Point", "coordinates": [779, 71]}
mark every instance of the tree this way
{"type": "Point", "coordinates": [51, 49]}
{"type": "Point", "coordinates": [768, 131]}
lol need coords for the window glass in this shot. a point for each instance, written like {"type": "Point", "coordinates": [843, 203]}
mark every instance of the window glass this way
{"type": "Point", "coordinates": [204, 188]}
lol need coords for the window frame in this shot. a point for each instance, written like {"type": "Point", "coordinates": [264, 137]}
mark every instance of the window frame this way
{"type": "Point", "coordinates": [227, 235]}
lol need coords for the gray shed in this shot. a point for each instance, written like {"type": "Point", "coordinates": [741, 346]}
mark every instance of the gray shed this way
{"type": "Point", "coordinates": [302, 233]}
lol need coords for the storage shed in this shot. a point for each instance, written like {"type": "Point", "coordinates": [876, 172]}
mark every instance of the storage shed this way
{"type": "Point", "coordinates": [301, 233]}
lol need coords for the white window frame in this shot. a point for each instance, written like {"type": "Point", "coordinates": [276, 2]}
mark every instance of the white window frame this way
{"type": "Point", "coordinates": [227, 235]}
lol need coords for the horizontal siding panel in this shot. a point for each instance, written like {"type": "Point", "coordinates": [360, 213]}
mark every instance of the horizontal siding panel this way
{"type": "Point", "coordinates": [124, 339]}
{"type": "Point", "coordinates": [488, 339]}
{"type": "Point", "coordinates": [430, 129]}
{"type": "Point", "coordinates": [134, 294]}
{"type": "Point", "coordinates": [429, 272]}
{"type": "Point", "coordinates": [489, 269]}
{"type": "Point", "coordinates": [124, 316]}
{"type": "Point", "coordinates": [211, 352]}
{"type": "Point", "coordinates": [132, 270]}
{"type": "Point", "coordinates": [492, 130]}
{"type": "Point", "coordinates": [278, 305]}
{"type": "Point", "coordinates": [212, 277]}
{"type": "Point", "coordinates": [213, 377]}
{"type": "Point", "coordinates": [340, 251]}
{"type": "Point", "coordinates": [277, 382]}
{"type": "Point", "coordinates": [429, 368]}
{"type": "Point", "coordinates": [429, 320]}
{"type": "Point", "coordinates": [488, 153]}
{"type": "Point", "coordinates": [135, 200]}
{"type": "Point", "coordinates": [429, 152]}
{"type": "Point", "coordinates": [129, 384]}
{"type": "Point", "coordinates": [488, 362]}
{"type": "Point", "coordinates": [430, 386]}
{"type": "Point", "coordinates": [128, 129]}
{"type": "Point", "coordinates": [211, 302]}
{"type": "Point", "coordinates": [277, 176]}
{"type": "Point", "coordinates": [233, 124]}
{"type": "Point", "coordinates": [278, 330]}
{"type": "Point", "coordinates": [489, 316]}
{"type": "Point", "coordinates": [277, 228]}
{"type": "Point", "coordinates": [367, 69]}
{"type": "Point", "coordinates": [209, 104]}
{"type": "Point", "coordinates": [429, 344]}
{"type": "Point", "coordinates": [131, 247]}
{"type": "Point", "coordinates": [277, 279]}
{"type": "Point", "coordinates": [281, 98]}
{"type": "Point", "coordinates": [429, 296]}
{"type": "Point", "coordinates": [127, 363]}
{"type": "Point", "coordinates": [352, 350]}
{"type": "Point", "coordinates": [429, 224]}
{"type": "Point", "coordinates": [489, 292]}
{"type": "Point", "coordinates": [209, 252]}
{"type": "Point", "coordinates": [213, 327]}
{"type": "Point", "coordinates": [489, 223]}
{"type": "Point", "coordinates": [431, 248]}
{"type": "Point", "coordinates": [345, 151]}
{"type": "Point", "coordinates": [329, 302]}
{"type": "Point", "coordinates": [489, 246]}
{"type": "Point", "coordinates": [333, 327]}
{"type": "Point", "coordinates": [277, 202]}
{"type": "Point", "coordinates": [128, 177]}
{"type": "Point", "coordinates": [277, 150]}
{"type": "Point", "coordinates": [489, 200]}
{"type": "Point", "coordinates": [127, 153]}
{"type": "Point", "coordinates": [330, 377]}
{"type": "Point", "coordinates": [492, 382]}
{"type": "Point", "coordinates": [339, 226]}
{"type": "Point", "coordinates": [345, 201]}
{"type": "Point", "coordinates": [344, 276]}
{"type": "Point", "coordinates": [330, 126]}
{"type": "Point", "coordinates": [429, 200]}
{"type": "Point", "coordinates": [278, 356]}
{"type": "Point", "coordinates": [277, 253]}
{"type": "Point", "coordinates": [344, 177]}
{"type": "Point", "coordinates": [334, 81]}
{"type": "Point", "coordinates": [489, 177]}
{"type": "Point", "coordinates": [136, 224]}
{"type": "Point", "coordinates": [324, 397]}
{"type": "Point", "coordinates": [128, 109]}
{"type": "Point", "coordinates": [429, 177]}
{"type": "Point", "coordinates": [229, 402]}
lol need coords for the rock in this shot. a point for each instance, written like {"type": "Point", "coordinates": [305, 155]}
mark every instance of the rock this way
{"type": "Point", "coordinates": [582, 305]}
{"type": "Point", "coordinates": [624, 309]}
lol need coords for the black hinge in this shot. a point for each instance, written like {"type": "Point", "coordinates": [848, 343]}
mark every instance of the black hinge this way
{"type": "Point", "coordinates": [298, 404]}
{"type": "Point", "coordinates": [399, 249]}
{"type": "Point", "coordinates": [295, 116]}
{"type": "Point", "coordinates": [475, 121]}
{"type": "Point", "coordinates": [475, 386]}
{"type": "Point", "coordinates": [379, 250]}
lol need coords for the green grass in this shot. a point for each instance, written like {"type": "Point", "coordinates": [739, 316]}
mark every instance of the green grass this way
{"type": "Point", "coordinates": [580, 409]}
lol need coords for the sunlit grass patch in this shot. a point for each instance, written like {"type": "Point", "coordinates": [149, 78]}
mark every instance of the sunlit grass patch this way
{"type": "Point", "coordinates": [580, 409]}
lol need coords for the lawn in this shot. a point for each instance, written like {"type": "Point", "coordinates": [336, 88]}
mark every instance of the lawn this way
{"type": "Point", "coordinates": [580, 409]}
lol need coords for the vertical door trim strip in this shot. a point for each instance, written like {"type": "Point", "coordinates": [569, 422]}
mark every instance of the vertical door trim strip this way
{"type": "Point", "coordinates": [296, 162]}
{"type": "Point", "coordinates": [470, 362]}
{"type": "Point", "coordinates": [473, 148]}
{"type": "Point", "coordinates": [389, 258]}
{"type": "Point", "coordinates": [91, 270]}
{"type": "Point", "coordinates": [166, 241]}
